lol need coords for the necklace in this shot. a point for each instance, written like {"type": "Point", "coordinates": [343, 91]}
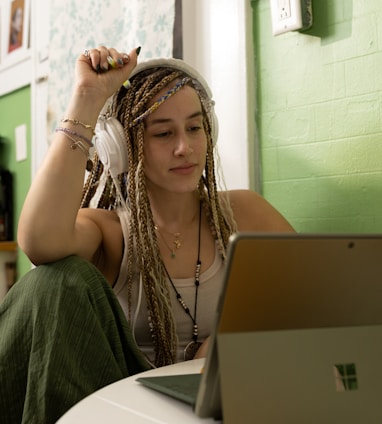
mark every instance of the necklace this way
{"type": "Point", "coordinates": [193, 345]}
{"type": "Point", "coordinates": [177, 243]}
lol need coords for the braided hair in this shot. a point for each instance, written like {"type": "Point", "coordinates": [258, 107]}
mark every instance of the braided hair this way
{"type": "Point", "coordinates": [129, 105]}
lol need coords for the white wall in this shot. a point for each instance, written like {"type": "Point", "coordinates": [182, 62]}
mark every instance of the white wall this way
{"type": "Point", "coordinates": [218, 42]}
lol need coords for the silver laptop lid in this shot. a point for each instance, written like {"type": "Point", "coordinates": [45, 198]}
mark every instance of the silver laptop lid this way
{"type": "Point", "coordinates": [283, 283]}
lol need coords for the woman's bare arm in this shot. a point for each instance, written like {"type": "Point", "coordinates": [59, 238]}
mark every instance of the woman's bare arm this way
{"type": "Point", "coordinates": [48, 227]}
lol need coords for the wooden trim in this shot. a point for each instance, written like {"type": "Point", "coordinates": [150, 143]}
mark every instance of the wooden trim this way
{"type": "Point", "coordinates": [177, 42]}
{"type": "Point", "coordinates": [8, 246]}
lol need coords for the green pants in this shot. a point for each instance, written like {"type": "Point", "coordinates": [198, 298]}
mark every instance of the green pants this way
{"type": "Point", "coordinates": [63, 335]}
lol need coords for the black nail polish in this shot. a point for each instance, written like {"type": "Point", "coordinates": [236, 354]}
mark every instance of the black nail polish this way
{"type": "Point", "coordinates": [138, 50]}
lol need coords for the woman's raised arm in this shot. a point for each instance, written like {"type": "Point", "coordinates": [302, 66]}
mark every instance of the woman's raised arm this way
{"type": "Point", "coordinates": [48, 228]}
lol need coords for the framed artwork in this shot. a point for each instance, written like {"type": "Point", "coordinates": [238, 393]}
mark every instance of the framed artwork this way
{"type": "Point", "coordinates": [15, 18]}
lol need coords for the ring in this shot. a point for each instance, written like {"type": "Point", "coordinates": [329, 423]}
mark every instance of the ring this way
{"type": "Point", "coordinates": [87, 53]}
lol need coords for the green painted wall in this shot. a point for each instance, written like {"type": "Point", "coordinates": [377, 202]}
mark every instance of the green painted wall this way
{"type": "Point", "coordinates": [319, 113]}
{"type": "Point", "coordinates": [15, 110]}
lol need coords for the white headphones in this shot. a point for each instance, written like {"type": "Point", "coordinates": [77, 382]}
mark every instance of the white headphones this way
{"type": "Point", "coordinates": [110, 142]}
{"type": "Point", "coordinates": [110, 145]}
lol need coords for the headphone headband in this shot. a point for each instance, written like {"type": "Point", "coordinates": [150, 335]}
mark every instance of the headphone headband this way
{"type": "Point", "coordinates": [181, 65]}
{"type": "Point", "coordinates": [177, 64]}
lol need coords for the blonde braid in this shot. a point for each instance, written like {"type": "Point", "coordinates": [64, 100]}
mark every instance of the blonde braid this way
{"type": "Point", "coordinates": [162, 325]}
{"type": "Point", "coordinates": [143, 254]}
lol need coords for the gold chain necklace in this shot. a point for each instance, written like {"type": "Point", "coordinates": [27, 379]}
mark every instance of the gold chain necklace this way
{"type": "Point", "coordinates": [177, 242]}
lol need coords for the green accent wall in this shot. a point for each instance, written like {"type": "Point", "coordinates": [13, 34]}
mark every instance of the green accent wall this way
{"type": "Point", "coordinates": [15, 110]}
{"type": "Point", "coordinates": [319, 113]}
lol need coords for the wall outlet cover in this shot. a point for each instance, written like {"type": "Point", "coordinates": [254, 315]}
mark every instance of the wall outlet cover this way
{"type": "Point", "coordinates": [290, 15]}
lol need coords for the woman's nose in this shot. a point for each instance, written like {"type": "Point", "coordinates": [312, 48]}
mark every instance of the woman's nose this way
{"type": "Point", "coordinates": [183, 145]}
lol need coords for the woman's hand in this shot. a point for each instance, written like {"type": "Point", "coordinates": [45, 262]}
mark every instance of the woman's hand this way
{"type": "Point", "coordinates": [101, 71]}
{"type": "Point", "coordinates": [202, 351]}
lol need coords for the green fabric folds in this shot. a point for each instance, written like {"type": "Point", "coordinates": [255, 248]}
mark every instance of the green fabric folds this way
{"type": "Point", "coordinates": [63, 335]}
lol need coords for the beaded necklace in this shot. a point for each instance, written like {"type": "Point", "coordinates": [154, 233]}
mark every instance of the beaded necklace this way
{"type": "Point", "coordinates": [193, 346]}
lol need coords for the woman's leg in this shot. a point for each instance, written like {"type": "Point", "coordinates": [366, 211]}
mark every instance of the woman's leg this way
{"type": "Point", "coordinates": [63, 336]}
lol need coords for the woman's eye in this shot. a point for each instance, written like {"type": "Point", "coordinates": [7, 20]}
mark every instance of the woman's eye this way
{"type": "Point", "coordinates": [162, 134]}
{"type": "Point", "coordinates": [195, 128]}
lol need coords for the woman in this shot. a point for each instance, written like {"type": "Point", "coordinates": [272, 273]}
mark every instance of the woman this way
{"type": "Point", "coordinates": [159, 234]}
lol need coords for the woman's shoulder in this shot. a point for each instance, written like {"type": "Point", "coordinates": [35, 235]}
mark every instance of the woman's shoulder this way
{"type": "Point", "coordinates": [243, 197]}
{"type": "Point", "coordinates": [253, 212]}
{"type": "Point", "coordinates": [107, 222]}
{"type": "Point", "coordinates": [98, 214]}
{"type": "Point", "coordinates": [108, 256]}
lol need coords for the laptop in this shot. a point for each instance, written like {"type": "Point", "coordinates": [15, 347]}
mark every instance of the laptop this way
{"type": "Point", "coordinates": [298, 335]}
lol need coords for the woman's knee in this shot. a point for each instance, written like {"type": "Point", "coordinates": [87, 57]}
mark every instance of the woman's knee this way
{"type": "Point", "coordinates": [67, 277]}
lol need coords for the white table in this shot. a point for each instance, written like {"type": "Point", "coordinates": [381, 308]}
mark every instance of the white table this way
{"type": "Point", "coordinates": [128, 401]}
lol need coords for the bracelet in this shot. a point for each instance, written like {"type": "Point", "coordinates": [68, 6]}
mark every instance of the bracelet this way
{"type": "Point", "coordinates": [77, 122]}
{"type": "Point", "coordinates": [74, 133]}
{"type": "Point", "coordinates": [79, 144]}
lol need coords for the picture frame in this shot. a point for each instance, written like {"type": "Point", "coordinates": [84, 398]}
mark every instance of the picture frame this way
{"type": "Point", "coordinates": [14, 34]}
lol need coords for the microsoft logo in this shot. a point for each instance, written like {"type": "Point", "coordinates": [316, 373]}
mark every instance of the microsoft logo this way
{"type": "Point", "coordinates": [345, 376]}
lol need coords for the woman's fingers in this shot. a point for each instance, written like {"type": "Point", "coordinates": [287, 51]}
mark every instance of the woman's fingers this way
{"type": "Point", "coordinates": [116, 59]}
{"type": "Point", "coordinates": [105, 69]}
{"type": "Point", "coordinates": [102, 58]}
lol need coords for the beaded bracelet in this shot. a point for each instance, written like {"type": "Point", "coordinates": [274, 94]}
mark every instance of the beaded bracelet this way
{"type": "Point", "coordinates": [75, 134]}
{"type": "Point", "coordinates": [77, 122]}
{"type": "Point", "coordinates": [78, 144]}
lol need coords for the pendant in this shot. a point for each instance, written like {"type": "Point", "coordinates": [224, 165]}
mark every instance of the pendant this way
{"type": "Point", "coordinates": [89, 165]}
{"type": "Point", "coordinates": [191, 349]}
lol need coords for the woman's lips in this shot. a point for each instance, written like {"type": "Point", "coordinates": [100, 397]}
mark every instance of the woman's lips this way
{"type": "Point", "coordinates": [184, 169]}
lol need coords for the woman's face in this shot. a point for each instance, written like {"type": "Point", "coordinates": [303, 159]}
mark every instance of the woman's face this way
{"type": "Point", "coordinates": [175, 144]}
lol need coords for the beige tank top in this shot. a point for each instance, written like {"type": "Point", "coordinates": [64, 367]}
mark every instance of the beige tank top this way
{"type": "Point", "coordinates": [211, 281]}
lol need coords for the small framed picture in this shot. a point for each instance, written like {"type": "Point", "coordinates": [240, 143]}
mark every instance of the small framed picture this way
{"type": "Point", "coordinates": [14, 31]}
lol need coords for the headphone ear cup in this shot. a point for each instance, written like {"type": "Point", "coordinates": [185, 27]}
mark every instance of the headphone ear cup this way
{"type": "Point", "coordinates": [110, 144]}
{"type": "Point", "coordinates": [214, 125]}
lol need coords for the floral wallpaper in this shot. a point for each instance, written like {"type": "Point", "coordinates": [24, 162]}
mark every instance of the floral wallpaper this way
{"type": "Point", "coordinates": [123, 24]}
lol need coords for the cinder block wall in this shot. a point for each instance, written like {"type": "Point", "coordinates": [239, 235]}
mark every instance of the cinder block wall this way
{"type": "Point", "coordinates": [319, 98]}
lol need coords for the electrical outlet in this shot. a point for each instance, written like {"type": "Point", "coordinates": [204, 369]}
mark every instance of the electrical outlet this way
{"type": "Point", "coordinates": [290, 15]}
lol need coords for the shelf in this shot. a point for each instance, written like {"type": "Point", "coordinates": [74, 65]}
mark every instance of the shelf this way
{"type": "Point", "coordinates": [8, 246]}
